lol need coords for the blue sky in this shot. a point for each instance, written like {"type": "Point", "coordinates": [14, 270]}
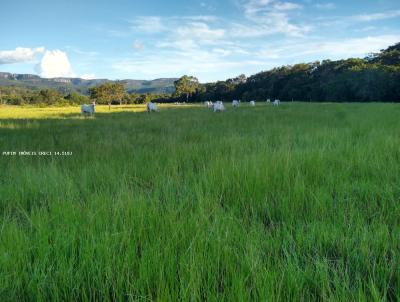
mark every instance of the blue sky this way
{"type": "Point", "coordinates": [210, 39]}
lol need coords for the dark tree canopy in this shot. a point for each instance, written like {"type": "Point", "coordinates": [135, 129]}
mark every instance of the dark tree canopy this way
{"type": "Point", "coordinates": [374, 78]}
{"type": "Point", "coordinates": [107, 93]}
{"type": "Point", "coordinates": [186, 85]}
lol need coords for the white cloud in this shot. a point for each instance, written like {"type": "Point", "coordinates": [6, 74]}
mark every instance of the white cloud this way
{"type": "Point", "coordinates": [222, 51]}
{"type": "Point", "coordinates": [268, 17]}
{"type": "Point", "coordinates": [326, 6]}
{"type": "Point", "coordinates": [88, 76]}
{"type": "Point", "coordinates": [199, 31]}
{"type": "Point", "coordinates": [345, 22]}
{"type": "Point", "coordinates": [212, 47]}
{"type": "Point", "coordinates": [201, 63]}
{"type": "Point", "coordinates": [148, 24]}
{"type": "Point", "coordinates": [286, 6]}
{"type": "Point", "coordinates": [55, 63]}
{"type": "Point", "coordinates": [208, 46]}
{"type": "Point", "coordinates": [19, 55]}
{"type": "Point", "coordinates": [205, 18]}
{"type": "Point", "coordinates": [255, 8]}
{"type": "Point", "coordinates": [377, 16]}
{"type": "Point", "coordinates": [338, 49]}
{"type": "Point", "coordinates": [185, 34]}
{"type": "Point", "coordinates": [183, 44]}
{"type": "Point", "coordinates": [272, 23]}
{"type": "Point", "coordinates": [217, 63]}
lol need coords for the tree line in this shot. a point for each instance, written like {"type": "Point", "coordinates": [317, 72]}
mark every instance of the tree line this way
{"type": "Point", "coordinates": [102, 94]}
{"type": "Point", "coordinates": [374, 78]}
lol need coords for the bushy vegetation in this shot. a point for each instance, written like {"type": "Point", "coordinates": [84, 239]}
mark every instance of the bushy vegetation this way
{"type": "Point", "coordinates": [52, 97]}
{"type": "Point", "coordinates": [295, 203]}
{"type": "Point", "coordinates": [44, 97]}
{"type": "Point", "coordinates": [373, 79]}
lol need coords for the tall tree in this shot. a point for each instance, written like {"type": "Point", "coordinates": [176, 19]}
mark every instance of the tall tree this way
{"type": "Point", "coordinates": [186, 85]}
{"type": "Point", "coordinates": [107, 93]}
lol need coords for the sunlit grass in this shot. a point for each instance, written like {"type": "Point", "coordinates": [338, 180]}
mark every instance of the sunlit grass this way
{"type": "Point", "coordinates": [296, 203]}
{"type": "Point", "coordinates": [34, 112]}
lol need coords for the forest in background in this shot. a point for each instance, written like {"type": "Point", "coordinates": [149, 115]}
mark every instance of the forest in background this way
{"type": "Point", "coordinates": [375, 78]}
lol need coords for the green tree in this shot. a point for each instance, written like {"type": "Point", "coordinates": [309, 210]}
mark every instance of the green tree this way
{"type": "Point", "coordinates": [186, 85]}
{"type": "Point", "coordinates": [135, 98]}
{"type": "Point", "coordinates": [107, 93]}
{"type": "Point", "coordinates": [47, 97]}
{"type": "Point", "coordinates": [75, 98]}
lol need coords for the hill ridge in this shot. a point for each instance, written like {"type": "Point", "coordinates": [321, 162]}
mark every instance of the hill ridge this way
{"type": "Point", "coordinates": [65, 84]}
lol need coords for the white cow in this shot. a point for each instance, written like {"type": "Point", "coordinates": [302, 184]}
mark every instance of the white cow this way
{"type": "Point", "coordinates": [88, 109]}
{"type": "Point", "coordinates": [218, 106]}
{"type": "Point", "coordinates": [252, 103]}
{"type": "Point", "coordinates": [269, 101]}
{"type": "Point", "coordinates": [235, 103]}
{"type": "Point", "coordinates": [208, 104]}
{"type": "Point", "coordinates": [152, 107]}
{"type": "Point", "coordinates": [277, 102]}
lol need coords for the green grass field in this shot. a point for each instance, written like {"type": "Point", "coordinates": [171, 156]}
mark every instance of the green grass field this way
{"type": "Point", "coordinates": [296, 203]}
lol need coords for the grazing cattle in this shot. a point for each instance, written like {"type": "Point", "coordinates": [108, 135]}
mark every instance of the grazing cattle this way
{"type": "Point", "coordinates": [218, 106]}
{"type": "Point", "coordinates": [235, 103]}
{"type": "Point", "coordinates": [88, 109]}
{"type": "Point", "coordinates": [252, 103]}
{"type": "Point", "coordinates": [208, 104]}
{"type": "Point", "coordinates": [277, 102]}
{"type": "Point", "coordinates": [152, 107]}
{"type": "Point", "coordinates": [269, 101]}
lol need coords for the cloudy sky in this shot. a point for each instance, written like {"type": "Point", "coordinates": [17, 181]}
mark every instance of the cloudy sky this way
{"type": "Point", "coordinates": [210, 39]}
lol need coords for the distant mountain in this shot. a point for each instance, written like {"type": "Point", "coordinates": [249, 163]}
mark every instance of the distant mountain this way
{"type": "Point", "coordinates": [64, 85]}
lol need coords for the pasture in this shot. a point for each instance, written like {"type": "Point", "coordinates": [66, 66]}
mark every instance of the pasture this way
{"type": "Point", "coordinates": [299, 202]}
